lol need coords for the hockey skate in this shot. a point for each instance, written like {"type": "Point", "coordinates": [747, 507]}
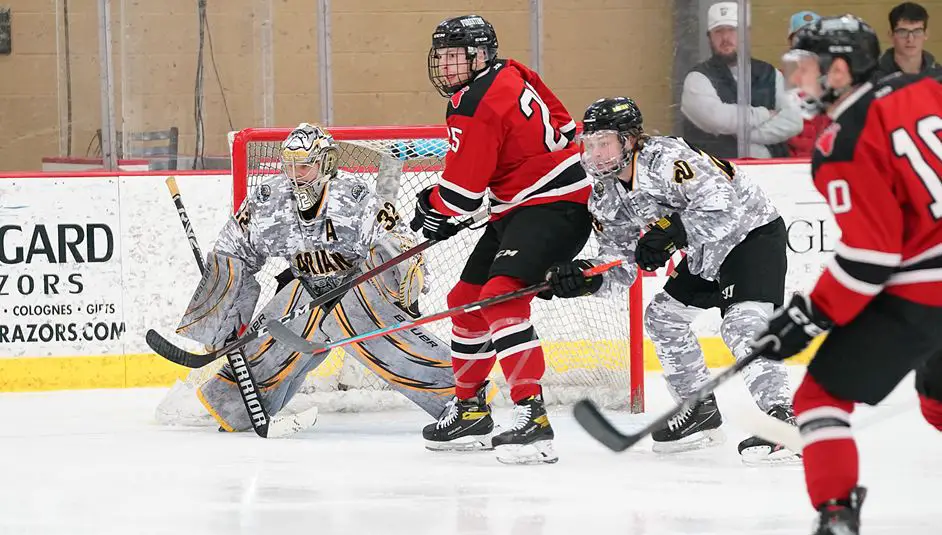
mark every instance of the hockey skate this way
{"type": "Point", "coordinates": [465, 425]}
{"type": "Point", "coordinates": [529, 440]}
{"type": "Point", "coordinates": [691, 430]}
{"type": "Point", "coordinates": [841, 517]}
{"type": "Point", "coordinates": [756, 451]}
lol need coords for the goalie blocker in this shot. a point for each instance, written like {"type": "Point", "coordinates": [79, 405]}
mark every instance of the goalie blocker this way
{"type": "Point", "coordinates": [414, 363]}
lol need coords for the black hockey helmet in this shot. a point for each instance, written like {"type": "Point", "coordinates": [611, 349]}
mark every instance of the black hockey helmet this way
{"type": "Point", "coordinates": [620, 114]}
{"type": "Point", "coordinates": [845, 36]}
{"type": "Point", "coordinates": [470, 32]}
{"type": "Point", "coordinates": [606, 116]}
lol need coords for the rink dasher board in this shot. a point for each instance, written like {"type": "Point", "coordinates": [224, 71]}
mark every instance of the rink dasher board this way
{"type": "Point", "coordinates": [91, 260]}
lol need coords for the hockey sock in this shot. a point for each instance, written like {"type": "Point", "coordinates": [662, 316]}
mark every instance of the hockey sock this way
{"type": "Point", "coordinates": [830, 453]}
{"type": "Point", "coordinates": [515, 340]}
{"type": "Point", "coordinates": [472, 353]}
{"type": "Point", "coordinates": [931, 411]}
{"type": "Point", "coordinates": [767, 380]}
{"type": "Point", "coordinates": [667, 321]}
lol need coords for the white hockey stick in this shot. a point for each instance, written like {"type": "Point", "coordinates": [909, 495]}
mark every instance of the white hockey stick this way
{"type": "Point", "coordinates": [752, 420]}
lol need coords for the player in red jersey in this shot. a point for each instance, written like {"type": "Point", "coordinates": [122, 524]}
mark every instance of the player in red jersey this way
{"type": "Point", "coordinates": [878, 166]}
{"type": "Point", "coordinates": [510, 139]}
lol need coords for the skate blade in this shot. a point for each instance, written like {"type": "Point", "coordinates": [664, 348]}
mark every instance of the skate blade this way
{"type": "Point", "coordinates": [764, 456]}
{"type": "Point", "coordinates": [469, 443]}
{"type": "Point", "coordinates": [697, 441]}
{"type": "Point", "coordinates": [539, 452]}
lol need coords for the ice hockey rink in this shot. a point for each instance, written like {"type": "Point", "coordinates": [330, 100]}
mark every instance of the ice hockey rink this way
{"type": "Point", "coordinates": [95, 462]}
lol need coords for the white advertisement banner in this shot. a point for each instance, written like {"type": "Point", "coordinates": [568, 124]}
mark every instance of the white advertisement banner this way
{"type": "Point", "coordinates": [87, 264]}
{"type": "Point", "coordinates": [60, 267]}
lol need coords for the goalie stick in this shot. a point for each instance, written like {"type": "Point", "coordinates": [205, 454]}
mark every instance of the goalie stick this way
{"type": "Point", "coordinates": [180, 356]}
{"type": "Point", "coordinates": [284, 335]}
{"type": "Point", "coordinates": [601, 429]}
{"type": "Point", "coordinates": [264, 425]}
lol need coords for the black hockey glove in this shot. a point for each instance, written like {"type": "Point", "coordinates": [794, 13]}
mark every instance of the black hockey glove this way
{"type": "Point", "coordinates": [434, 225]}
{"type": "Point", "coordinates": [791, 328]}
{"type": "Point", "coordinates": [662, 239]}
{"type": "Point", "coordinates": [567, 280]}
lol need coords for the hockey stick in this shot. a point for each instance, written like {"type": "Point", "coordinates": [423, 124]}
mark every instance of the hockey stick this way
{"type": "Point", "coordinates": [264, 425]}
{"type": "Point", "coordinates": [601, 429]}
{"type": "Point", "coordinates": [177, 355]}
{"type": "Point", "coordinates": [774, 430]}
{"type": "Point", "coordinates": [296, 343]}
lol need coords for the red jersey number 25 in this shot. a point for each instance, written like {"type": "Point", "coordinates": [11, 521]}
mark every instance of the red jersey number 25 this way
{"type": "Point", "coordinates": [927, 129]}
{"type": "Point", "coordinates": [552, 139]}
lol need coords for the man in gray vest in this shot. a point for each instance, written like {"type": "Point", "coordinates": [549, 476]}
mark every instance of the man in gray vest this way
{"type": "Point", "coordinates": [711, 118]}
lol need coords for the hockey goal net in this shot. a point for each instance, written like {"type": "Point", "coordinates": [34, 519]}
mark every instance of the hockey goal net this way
{"type": "Point", "coordinates": [593, 346]}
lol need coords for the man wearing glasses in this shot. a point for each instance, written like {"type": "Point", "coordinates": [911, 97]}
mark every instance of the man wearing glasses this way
{"type": "Point", "coordinates": [909, 23]}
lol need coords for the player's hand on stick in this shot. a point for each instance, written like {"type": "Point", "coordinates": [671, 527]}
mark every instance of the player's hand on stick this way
{"type": "Point", "coordinates": [791, 328]}
{"type": "Point", "coordinates": [567, 280]}
{"type": "Point", "coordinates": [434, 225]}
{"type": "Point", "coordinates": [661, 240]}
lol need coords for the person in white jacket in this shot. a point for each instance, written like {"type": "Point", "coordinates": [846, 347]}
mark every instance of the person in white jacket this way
{"type": "Point", "coordinates": [709, 99]}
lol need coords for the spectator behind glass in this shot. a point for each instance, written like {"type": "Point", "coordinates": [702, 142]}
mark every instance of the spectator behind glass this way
{"type": "Point", "coordinates": [709, 97]}
{"type": "Point", "coordinates": [909, 28]}
{"type": "Point", "coordinates": [802, 145]}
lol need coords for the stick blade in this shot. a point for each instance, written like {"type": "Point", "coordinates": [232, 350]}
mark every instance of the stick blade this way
{"type": "Point", "coordinates": [592, 420]}
{"type": "Point", "coordinates": [174, 354]}
{"type": "Point", "coordinates": [281, 333]}
{"type": "Point", "coordinates": [289, 424]}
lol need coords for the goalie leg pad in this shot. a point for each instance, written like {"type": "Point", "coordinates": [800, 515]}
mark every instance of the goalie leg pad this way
{"type": "Point", "coordinates": [413, 362]}
{"type": "Point", "coordinates": [222, 303]}
{"type": "Point", "coordinates": [278, 370]}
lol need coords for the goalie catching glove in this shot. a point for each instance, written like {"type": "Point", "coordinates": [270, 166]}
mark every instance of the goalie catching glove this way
{"type": "Point", "coordinates": [791, 328]}
{"type": "Point", "coordinates": [434, 224]}
{"type": "Point", "coordinates": [662, 239]}
{"type": "Point", "coordinates": [567, 280]}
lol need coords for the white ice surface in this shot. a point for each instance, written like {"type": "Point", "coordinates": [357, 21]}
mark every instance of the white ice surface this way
{"type": "Point", "coordinates": [93, 462]}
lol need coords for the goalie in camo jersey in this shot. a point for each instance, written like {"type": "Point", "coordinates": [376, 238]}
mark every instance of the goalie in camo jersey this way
{"type": "Point", "coordinates": [735, 260]}
{"type": "Point", "coordinates": [328, 225]}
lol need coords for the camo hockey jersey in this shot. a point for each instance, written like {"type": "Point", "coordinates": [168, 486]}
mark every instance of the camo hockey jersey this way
{"type": "Point", "coordinates": [718, 204]}
{"type": "Point", "coordinates": [349, 220]}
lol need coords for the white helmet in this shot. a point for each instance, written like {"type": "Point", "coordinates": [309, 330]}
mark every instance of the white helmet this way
{"type": "Point", "coordinates": [309, 157]}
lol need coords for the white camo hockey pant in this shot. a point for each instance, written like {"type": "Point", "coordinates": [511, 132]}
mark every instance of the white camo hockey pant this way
{"type": "Point", "coordinates": [668, 323]}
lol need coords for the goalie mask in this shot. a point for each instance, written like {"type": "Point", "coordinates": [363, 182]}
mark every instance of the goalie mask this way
{"type": "Point", "coordinates": [462, 48]}
{"type": "Point", "coordinates": [607, 126]}
{"type": "Point", "coordinates": [309, 158]}
{"type": "Point", "coordinates": [815, 47]}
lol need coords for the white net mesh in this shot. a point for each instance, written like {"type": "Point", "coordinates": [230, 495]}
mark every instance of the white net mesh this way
{"type": "Point", "coordinates": [585, 341]}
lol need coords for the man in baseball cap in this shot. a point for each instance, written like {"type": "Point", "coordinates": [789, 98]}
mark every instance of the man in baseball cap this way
{"type": "Point", "coordinates": [710, 96]}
